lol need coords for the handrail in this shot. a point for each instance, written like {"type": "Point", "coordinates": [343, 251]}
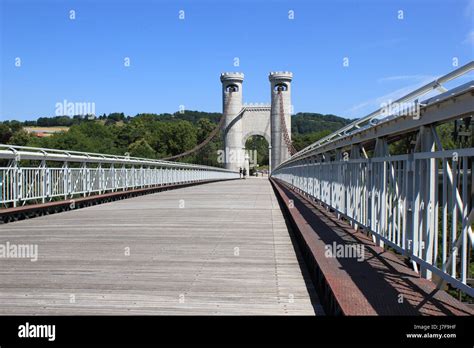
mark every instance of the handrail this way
{"type": "Point", "coordinates": [35, 153]}
{"type": "Point", "coordinates": [418, 203]}
{"type": "Point", "coordinates": [354, 126]}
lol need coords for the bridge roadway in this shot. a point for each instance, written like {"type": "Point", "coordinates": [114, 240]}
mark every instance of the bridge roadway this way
{"type": "Point", "coordinates": [219, 248]}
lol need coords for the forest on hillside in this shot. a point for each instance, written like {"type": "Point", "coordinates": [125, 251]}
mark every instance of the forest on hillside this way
{"type": "Point", "coordinates": [162, 135]}
{"type": "Point", "coordinates": [155, 135]}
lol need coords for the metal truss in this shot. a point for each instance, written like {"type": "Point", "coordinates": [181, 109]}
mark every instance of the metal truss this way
{"type": "Point", "coordinates": [367, 122]}
{"type": "Point", "coordinates": [37, 175]}
{"type": "Point", "coordinates": [419, 203]}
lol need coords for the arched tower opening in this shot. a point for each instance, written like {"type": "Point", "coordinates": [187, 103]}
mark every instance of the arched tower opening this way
{"type": "Point", "coordinates": [232, 88]}
{"type": "Point", "coordinates": [257, 148]}
{"type": "Point", "coordinates": [273, 122]}
{"type": "Point", "coordinates": [280, 87]}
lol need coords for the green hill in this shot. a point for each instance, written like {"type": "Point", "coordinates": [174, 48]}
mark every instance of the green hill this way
{"type": "Point", "coordinates": [153, 135]}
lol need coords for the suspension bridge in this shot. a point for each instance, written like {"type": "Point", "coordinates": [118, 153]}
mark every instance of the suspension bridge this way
{"type": "Point", "coordinates": [345, 226]}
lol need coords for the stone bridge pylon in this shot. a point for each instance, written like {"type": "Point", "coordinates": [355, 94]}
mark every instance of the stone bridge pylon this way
{"type": "Point", "coordinates": [271, 121]}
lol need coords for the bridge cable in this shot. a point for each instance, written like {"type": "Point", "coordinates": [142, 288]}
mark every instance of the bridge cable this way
{"type": "Point", "coordinates": [209, 137]}
{"type": "Point", "coordinates": [214, 132]}
{"type": "Point", "coordinates": [286, 136]}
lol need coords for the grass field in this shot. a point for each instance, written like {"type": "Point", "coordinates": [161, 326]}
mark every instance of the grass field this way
{"type": "Point", "coordinates": [46, 129]}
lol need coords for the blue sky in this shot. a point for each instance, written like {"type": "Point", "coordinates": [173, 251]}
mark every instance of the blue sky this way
{"type": "Point", "coordinates": [177, 62]}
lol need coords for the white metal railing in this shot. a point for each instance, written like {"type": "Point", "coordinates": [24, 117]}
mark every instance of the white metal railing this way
{"type": "Point", "coordinates": [40, 175]}
{"type": "Point", "coordinates": [367, 121]}
{"type": "Point", "coordinates": [386, 196]}
{"type": "Point", "coordinates": [420, 204]}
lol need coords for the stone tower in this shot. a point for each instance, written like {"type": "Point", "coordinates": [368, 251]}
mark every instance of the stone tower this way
{"type": "Point", "coordinates": [281, 102]}
{"type": "Point", "coordinates": [232, 106]}
{"type": "Point", "coordinates": [242, 121]}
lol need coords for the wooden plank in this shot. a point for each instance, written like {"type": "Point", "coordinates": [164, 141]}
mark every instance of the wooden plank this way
{"type": "Point", "coordinates": [219, 248]}
{"type": "Point", "coordinates": [95, 198]}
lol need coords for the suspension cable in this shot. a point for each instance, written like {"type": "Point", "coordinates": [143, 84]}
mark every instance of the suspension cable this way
{"type": "Point", "coordinates": [286, 136]}
{"type": "Point", "coordinates": [209, 137]}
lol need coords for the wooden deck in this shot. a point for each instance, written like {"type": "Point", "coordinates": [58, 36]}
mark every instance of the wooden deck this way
{"type": "Point", "coordinates": [219, 248]}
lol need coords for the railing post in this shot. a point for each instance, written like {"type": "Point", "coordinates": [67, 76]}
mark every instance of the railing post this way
{"type": "Point", "coordinates": [370, 195]}
{"type": "Point", "coordinates": [112, 177]}
{"type": "Point", "coordinates": [17, 182]}
{"type": "Point", "coordinates": [84, 178]}
{"type": "Point", "coordinates": [408, 241]}
{"type": "Point", "coordinates": [381, 151]}
{"type": "Point", "coordinates": [338, 183]}
{"type": "Point", "coordinates": [354, 192]}
{"type": "Point", "coordinates": [100, 177]}
{"type": "Point", "coordinates": [429, 199]}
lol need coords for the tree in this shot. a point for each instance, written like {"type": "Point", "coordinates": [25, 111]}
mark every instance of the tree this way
{"type": "Point", "coordinates": [300, 141]}
{"type": "Point", "coordinates": [205, 127]}
{"type": "Point", "coordinates": [5, 133]}
{"type": "Point", "coordinates": [162, 135]}
{"type": "Point", "coordinates": [181, 137]}
{"type": "Point", "coordinates": [141, 148]}
{"type": "Point", "coordinates": [303, 123]}
{"type": "Point", "coordinates": [260, 145]}
{"type": "Point", "coordinates": [172, 138]}
{"type": "Point", "coordinates": [116, 116]}
{"type": "Point", "coordinates": [208, 154]}
{"type": "Point", "coordinates": [20, 138]}
{"type": "Point", "coordinates": [15, 126]}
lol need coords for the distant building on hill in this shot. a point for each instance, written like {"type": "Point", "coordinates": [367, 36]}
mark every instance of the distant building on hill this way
{"type": "Point", "coordinates": [45, 132]}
